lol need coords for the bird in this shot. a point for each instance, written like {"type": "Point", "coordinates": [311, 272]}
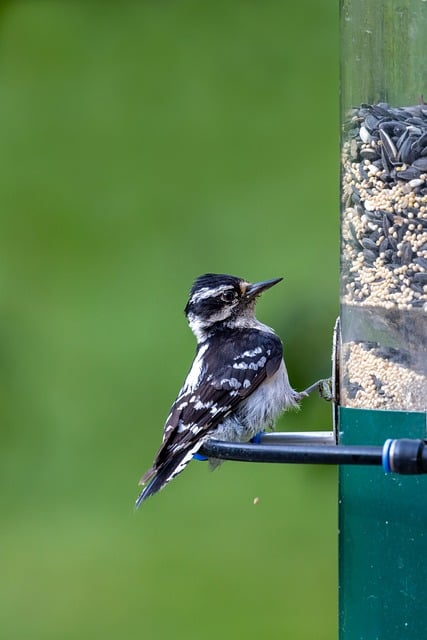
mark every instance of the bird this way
{"type": "Point", "coordinates": [237, 385]}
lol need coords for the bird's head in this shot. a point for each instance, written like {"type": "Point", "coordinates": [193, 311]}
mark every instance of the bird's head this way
{"type": "Point", "coordinates": [221, 300]}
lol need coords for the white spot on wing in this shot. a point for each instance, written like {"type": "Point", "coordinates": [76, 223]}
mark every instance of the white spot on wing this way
{"type": "Point", "coordinates": [231, 382]}
{"type": "Point", "coordinates": [202, 405]}
{"type": "Point", "coordinates": [240, 365]}
{"type": "Point", "coordinates": [258, 365]}
{"type": "Point", "coordinates": [251, 353]}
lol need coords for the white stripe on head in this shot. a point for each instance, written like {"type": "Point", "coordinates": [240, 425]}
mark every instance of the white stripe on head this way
{"type": "Point", "coordinates": [207, 292]}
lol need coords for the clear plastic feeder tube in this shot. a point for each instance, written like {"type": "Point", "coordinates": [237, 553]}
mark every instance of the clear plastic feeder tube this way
{"type": "Point", "coordinates": [384, 204]}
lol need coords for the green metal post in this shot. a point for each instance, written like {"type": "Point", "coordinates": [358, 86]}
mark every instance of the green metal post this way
{"type": "Point", "coordinates": [382, 535]}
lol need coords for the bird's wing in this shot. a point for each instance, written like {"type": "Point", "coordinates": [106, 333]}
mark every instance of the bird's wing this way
{"type": "Point", "coordinates": [233, 367]}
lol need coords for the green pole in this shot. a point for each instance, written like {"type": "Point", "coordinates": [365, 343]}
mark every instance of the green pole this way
{"type": "Point", "coordinates": [382, 535]}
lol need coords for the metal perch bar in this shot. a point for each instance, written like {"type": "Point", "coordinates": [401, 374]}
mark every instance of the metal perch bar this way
{"type": "Point", "coordinates": [400, 456]}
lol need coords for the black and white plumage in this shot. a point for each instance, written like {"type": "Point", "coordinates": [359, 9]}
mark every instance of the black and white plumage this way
{"type": "Point", "coordinates": [238, 383]}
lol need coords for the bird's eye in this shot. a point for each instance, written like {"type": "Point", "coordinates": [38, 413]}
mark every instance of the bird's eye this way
{"type": "Point", "coordinates": [228, 296]}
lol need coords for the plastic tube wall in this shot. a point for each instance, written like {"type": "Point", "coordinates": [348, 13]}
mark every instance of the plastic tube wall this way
{"type": "Point", "coordinates": [383, 362]}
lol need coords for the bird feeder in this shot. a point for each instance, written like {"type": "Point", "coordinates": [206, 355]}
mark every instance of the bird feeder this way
{"type": "Point", "coordinates": [379, 382]}
{"type": "Point", "coordinates": [383, 341]}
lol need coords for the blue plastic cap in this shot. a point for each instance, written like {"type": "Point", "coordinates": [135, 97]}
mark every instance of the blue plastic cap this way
{"type": "Point", "coordinates": [198, 456]}
{"type": "Point", "coordinates": [386, 455]}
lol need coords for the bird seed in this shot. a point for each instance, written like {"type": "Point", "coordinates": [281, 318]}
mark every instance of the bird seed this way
{"type": "Point", "coordinates": [384, 255]}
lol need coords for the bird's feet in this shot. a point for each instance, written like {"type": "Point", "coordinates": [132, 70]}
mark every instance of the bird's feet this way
{"type": "Point", "coordinates": [324, 388]}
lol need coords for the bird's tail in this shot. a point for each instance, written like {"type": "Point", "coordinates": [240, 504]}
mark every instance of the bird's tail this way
{"type": "Point", "coordinates": [157, 477]}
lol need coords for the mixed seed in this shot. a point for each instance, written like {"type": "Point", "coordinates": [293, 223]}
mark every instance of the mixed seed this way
{"type": "Point", "coordinates": [384, 226]}
{"type": "Point", "coordinates": [384, 244]}
{"type": "Point", "coordinates": [380, 378]}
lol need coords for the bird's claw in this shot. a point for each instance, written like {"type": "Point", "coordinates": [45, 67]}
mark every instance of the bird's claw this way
{"type": "Point", "coordinates": [324, 388]}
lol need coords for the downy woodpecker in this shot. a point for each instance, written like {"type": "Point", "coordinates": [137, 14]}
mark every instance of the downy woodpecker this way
{"type": "Point", "coordinates": [237, 385]}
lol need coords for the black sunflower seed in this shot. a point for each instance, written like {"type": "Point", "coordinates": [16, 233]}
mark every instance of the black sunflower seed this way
{"type": "Point", "coordinates": [369, 244]}
{"type": "Point", "coordinates": [406, 253]}
{"type": "Point", "coordinates": [383, 245]}
{"type": "Point", "coordinates": [370, 256]}
{"type": "Point", "coordinates": [420, 163]}
{"type": "Point", "coordinates": [412, 173]}
{"type": "Point", "coordinates": [421, 278]}
{"type": "Point", "coordinates": [389, 147]}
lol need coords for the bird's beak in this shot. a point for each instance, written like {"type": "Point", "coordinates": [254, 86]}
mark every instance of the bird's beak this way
{"type": "Point", "coordinates": [253, 290]}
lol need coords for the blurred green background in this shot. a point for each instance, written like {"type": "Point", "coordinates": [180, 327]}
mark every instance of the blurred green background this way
{"type": "Point", "coordinates": [142, 144]}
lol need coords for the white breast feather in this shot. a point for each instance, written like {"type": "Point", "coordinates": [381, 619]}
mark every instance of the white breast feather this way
{"type": "Point", "coordinates": [259, 410]}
